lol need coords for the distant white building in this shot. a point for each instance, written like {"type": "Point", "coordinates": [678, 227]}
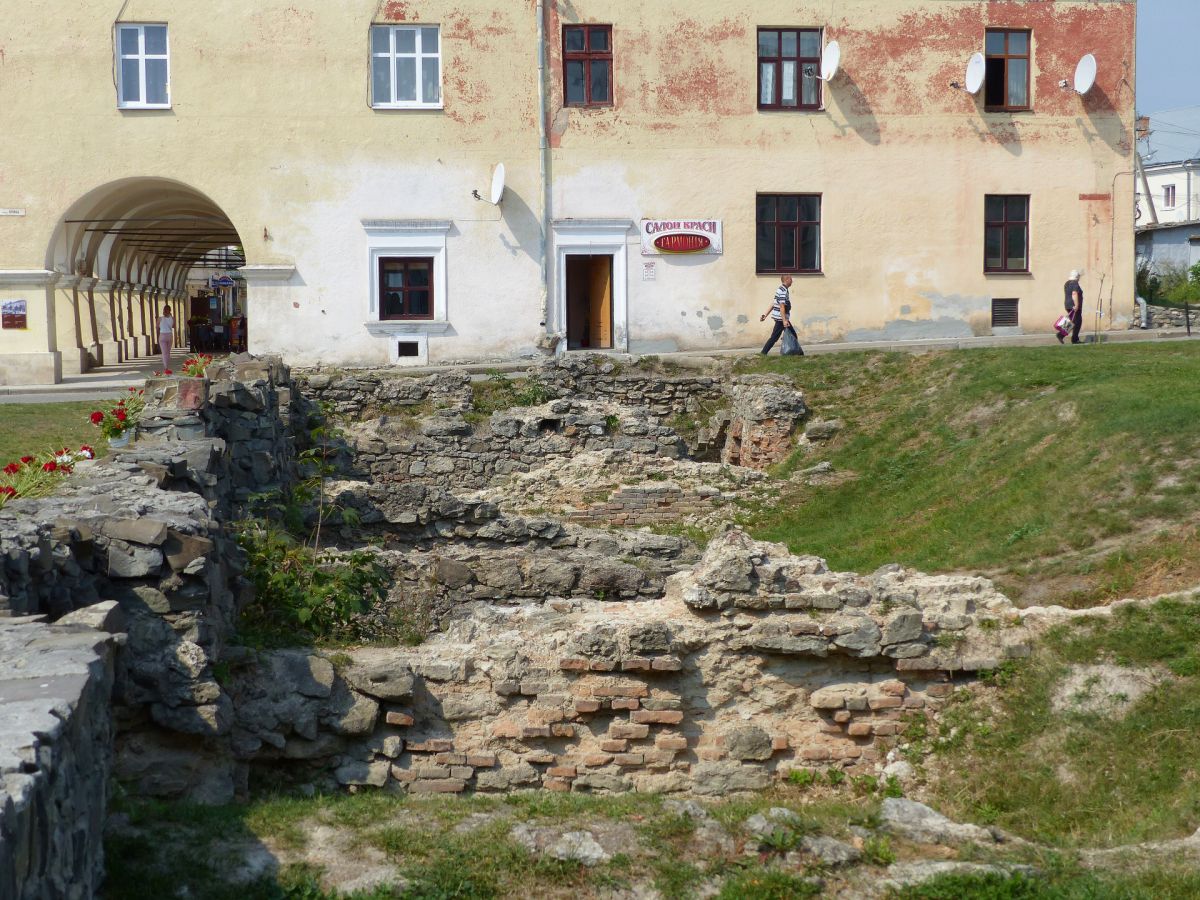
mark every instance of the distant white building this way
{"type": "Point", "coordinates": [1174, 190]}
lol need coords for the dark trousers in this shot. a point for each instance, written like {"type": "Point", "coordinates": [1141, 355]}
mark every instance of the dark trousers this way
{"type": "Point", "coordinates": [776, 334]}
{"type": "Point", "coordinates": [1077, 318]}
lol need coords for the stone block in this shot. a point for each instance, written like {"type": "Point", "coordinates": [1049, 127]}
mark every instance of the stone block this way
{"type": "Point", "coordinates": [859, 729]}
{"type": "Point", "coordinates": [463, 773]}
{"type": "Point", "coordinates": [561, 771]}
{"type": "Point", "coordinates": [596, 760]}
{"type": "Point", "coordinates": [535, 731]}
{"type": "Point", "coordinates": [432, 771]}
{"type": "Point", "coordinates": [621, 690]}
{"type": "Point", "coordinates": [615, 745]}
{"type": "Point", "coordinates": [562, 730]}
{"type": "Point", "coordinates": [625, 703]}
{"type": "Point", "coordinates": [150, 532]}
{"type": "Point", "coordinates": [656, 717]}
{"type": "Point", "coordinates": [481, 760]}
{"type": "Point", "coordinates": [670, 742]}
{"type": "Point", "coordinates": [450, 759]}
{"type": "Point", "coordinates": [624, 730]}
{"type": "Point", "coordinates": [402, 719]}
{"type": "Point", "coordinates": [628, 760]}
{"type": "Point", "coordinates": [885, 702]}
{"type": "Point", "coordinates": [666, 664]}
{"type": "Point", "coordinates": [433, 745]}
{"type": "Point", "coordinates": [587, 706]}
{"type": "Point", "coordinates": [438, 786]}
{"type": "Point", "coordinates": [574, 664]}
{"type": "Point", "coordinates": [558, 785]}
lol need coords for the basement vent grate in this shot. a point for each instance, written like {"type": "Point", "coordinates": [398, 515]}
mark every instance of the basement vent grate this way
{"type": "Point", "coordinates": [408, 348]}
{"type": "Point", "coordinates": [1004, 313]}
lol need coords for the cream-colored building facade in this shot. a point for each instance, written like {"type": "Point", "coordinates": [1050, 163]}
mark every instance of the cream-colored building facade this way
{"type": "Point", "coordinates": [340, 146]}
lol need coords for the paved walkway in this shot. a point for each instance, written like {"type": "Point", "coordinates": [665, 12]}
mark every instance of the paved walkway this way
{"type": "Point", "coordinates": [111, 381]}
{"type": "Point", "coordinates": [98, 384]}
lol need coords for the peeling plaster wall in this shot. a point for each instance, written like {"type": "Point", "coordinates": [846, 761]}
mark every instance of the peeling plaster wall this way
{"type": "Point", "coordinates": [271, 120]}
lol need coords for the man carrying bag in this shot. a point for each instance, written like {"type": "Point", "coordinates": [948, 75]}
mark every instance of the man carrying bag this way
{"type": "Point", "coordinates": [780, 312]}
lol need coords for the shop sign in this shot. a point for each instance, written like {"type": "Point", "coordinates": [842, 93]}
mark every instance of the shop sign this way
{"type": "Point", "coordinates": [13, 314]}
{"type": "Point", "coordinates": [11, 211]}
{"type": "Point", "coordinates": [681, 236]}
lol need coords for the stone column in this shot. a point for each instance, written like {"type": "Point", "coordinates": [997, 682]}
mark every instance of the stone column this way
{"type": "Point", "coordinates": [70, 346]}
{"type": "Point", "coordinates": [103, 302]}
{"type": "Point", "coordinates": [30, 355]}
{"type": "Point", "coordinates": [268, 294]}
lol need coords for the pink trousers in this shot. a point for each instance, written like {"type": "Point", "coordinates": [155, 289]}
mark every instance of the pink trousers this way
{"type": "Point", "coordinates": [164, 344]}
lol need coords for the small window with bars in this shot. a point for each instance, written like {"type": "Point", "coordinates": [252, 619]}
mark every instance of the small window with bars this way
{"type": "Point", "coordinates": [1004, 313]}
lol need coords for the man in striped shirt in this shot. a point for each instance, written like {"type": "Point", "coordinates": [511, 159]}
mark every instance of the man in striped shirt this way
{"type": "Point", "coordinates": [781, 312]}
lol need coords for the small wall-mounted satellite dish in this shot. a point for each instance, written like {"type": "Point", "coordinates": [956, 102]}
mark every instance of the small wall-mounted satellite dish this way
{"type": "Point", "coordinates": [1085, 74]}
{"type": "Point", "coordinates": [831, 59]}
{"type": "Point", "coordinates": [497, 193]}
{"type": "Point", "coordinates": [976, 69]}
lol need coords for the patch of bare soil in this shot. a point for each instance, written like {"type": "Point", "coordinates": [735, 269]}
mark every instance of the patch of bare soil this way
{"type": "Point", "coordinates": [1105, 689]}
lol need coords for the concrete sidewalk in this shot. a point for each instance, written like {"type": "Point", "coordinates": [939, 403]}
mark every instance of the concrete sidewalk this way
{"type": "Point", "coordinates": [111, 381]}
{"type": "Point", "coordinates": [99, 384]}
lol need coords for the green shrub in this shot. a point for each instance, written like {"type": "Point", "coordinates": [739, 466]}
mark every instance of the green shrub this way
{"type": "Point", "coordinates": [301, 591]}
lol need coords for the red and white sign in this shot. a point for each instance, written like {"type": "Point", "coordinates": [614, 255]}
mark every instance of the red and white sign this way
{"type": "Point", "coordinates": [681, 236]}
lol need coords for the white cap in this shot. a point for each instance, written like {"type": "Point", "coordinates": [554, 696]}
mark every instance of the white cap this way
{"type": "Point", "coordinates": [1074, 276]}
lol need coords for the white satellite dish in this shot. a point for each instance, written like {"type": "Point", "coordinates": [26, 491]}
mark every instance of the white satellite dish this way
{"type": "Point", "coordinates": [830, 60]}
{"type": "Point", "coordinates": [1085, 74]}
{"type": "Point", "coordinates": [497, 193]}
{"type": "Point", "coordinates": [976, 69]}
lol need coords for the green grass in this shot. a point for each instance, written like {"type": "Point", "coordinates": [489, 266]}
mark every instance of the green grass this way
{"type": "Point", "coordinates": [26, 428]}
{"type": "Point", "coordinates": [1171, 883]}
{"type": "Point", "coordinates": [988, 459]}
{"type": "Point", "coordinates": [180, 849]}
{"type": "Point", "coordinates": [1081, 779]}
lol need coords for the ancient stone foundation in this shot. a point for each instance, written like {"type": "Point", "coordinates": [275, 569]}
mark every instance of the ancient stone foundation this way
{"type": "Point", "coordinates": [572, 646]}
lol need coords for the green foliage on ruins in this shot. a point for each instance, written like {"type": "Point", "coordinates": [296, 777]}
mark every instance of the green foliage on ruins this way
{"type": "Point", "coordinates": [1064, 472]}
{"type": "Point", "coordinates": [500, 392]}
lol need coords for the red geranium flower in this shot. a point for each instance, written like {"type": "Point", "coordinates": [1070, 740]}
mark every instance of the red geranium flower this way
{"type": "Point", "coordinates": [12, 469]}
{"type": "Point", "coordinates": [66, 470]}
{"type": "Point", "coordinates": [8, 490]}
{"type": "Point", "coordinates": [27, 459]}
{"type": "Point", "coordinates": [97, 417]}
{"type": "Point", "coordinates": [119, 414]}
{"type": "Point", "coordinates": [87, 451]}
{"type": "Point", "coordinates": [50, 466]}
{"type": "Point", "coordinates": [168, 372]}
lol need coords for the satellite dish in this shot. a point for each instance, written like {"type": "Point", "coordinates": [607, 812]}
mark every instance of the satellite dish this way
{"type": "Point", "coordinates": [830, 60]}
{"type": "Point", "coordinates": [497, 193]}
{"type": "Point", "coordinates": [1085, 74]}
{"type": "Point", "coordinates": [976, 69]}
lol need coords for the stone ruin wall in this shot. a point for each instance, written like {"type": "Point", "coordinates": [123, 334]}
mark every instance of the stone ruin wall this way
{"type": "Point", "coordinates": [751, 664]}
{"type": "Point", "coordinates": [566, 657]}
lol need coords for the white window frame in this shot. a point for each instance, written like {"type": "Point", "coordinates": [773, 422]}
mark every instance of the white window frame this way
{"type": "Point", "coordinates": [420, 53]}
{"type": "Point", "coordinates": [408, 238]}
{"type": "Point", "coordinates": [1169, 196]}
{"type": "Point", "coordinates": [141, 56]}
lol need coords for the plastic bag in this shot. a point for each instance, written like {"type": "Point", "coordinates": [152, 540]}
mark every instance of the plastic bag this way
{"type": "Point", "coordinates": [791, 346]}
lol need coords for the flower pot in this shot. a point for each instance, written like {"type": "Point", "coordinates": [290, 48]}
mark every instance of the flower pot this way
{"type": "Point", "coordinates": [120, 440]}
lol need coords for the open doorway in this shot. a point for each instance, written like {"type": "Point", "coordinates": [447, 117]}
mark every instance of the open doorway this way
{"type": "Point", "coordinates": [589, 301]}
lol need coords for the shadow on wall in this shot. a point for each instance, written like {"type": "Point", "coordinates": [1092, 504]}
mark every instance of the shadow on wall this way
{"type": "Point", "coordinates": [1106, 123]}
{"type": "Point", "coordinates": [524, 224]}
{"type": "Point", "coordinates": [854, 105]}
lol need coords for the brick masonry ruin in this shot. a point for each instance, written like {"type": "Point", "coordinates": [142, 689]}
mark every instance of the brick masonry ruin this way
{"type": "Point", "coordinates": [570, 647]}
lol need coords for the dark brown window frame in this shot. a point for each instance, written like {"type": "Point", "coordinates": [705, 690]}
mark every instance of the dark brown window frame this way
{"type": "Point", "coordinates": [779, 60]}
{"type": "Point", "coordinates": [383, 288]}
{"type": "Point", "coordinates": [1005, 224]}
{"type": "Point", "coordinates": [589, 57]}
{"type": "Point", "coordinates": [798, 225]}
{"type": "Point", "coordinates": [1006, 56]}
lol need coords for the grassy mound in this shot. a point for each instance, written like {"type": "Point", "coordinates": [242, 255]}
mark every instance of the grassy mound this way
{"type": "Point", "coordinates": [1067, 473]}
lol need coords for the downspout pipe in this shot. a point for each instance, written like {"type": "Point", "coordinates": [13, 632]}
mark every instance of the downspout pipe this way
{"type": "Point", "coordinates": [544, 170]}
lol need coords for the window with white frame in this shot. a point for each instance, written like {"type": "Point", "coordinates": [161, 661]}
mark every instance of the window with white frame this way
{"type": "Point", "coordinates": [1169, 196]}
{"type": "Point", "coordinates": [406, 66]}
{"type": "Point", "coordinates": [143, 67]}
